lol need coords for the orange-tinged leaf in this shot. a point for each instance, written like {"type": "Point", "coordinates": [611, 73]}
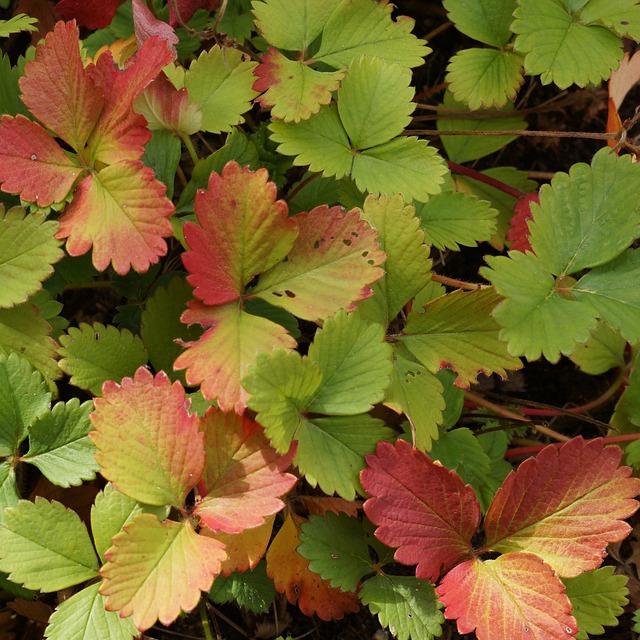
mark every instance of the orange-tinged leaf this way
{"type": "Point", "coordinates": [122, 212]}
{"type": "Point", "coordinates": [244, 477]}
{"type": "Point", "coordinates": [221, 358]}
{"type": "Point", "coordinates": [565, 505]}
{"type": "Point", "coordinates": [155, 570]}
{"type": "Point", "coordinates": [333, 261]}
{"type": "Point", "coordinates": [120, 133]}
{"type": "Point", "coordinates": [245, 549]}
{"type": "Point", "coordinates": [420, 507]}
{"type": "Point", "coordinates": [291, 575]}
{"type": "Point", "coordinates": [516, 597]}
{"type": "Point", "coordinates": [58, 90]}
{"type": "Point", "coordinates": [32, 164]}
{"type": "Point", "coordinates": [243, 230]}
{"type": "Point", "coordinates": [94, 14]}
{"type": "Point", "coordinates": [321, 505]}
{"type": "Point", "coordinates": [148, 418]}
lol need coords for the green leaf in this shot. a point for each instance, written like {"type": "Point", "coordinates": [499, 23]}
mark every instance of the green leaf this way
{"type": "Point", "coordinates": [252, 589]}
{"type": "Point", "coordinates": [23, 399]}
{"type": "Point", "coordinates": [16, 24]}
{"type": "Point", "coordinates": [451, 219]}
{"type": "Point", "coordinates": [495, 445]}
{"type": "Point", "coordinates": [636, 620]}
{"type": "Point", "coordinates": [485, 77]}
{"type": "Point", "coordinates": [336, 547]}
{"type": "Point", "coordinates": [8, 488]}
{"type": "Point", "coordinates": [92, 354]}
{"type": "Point", "coordinates": [467, 148]}
{"type": "Point", "coordinates": [418, 394]}
{"type": "Point", "coordinates": [111, 510]}
{"type": "Point", "coordinates": [355, 362]}
{"type": "Point", "coordinates": [161, 327]}
{"type": "Point", "coordinates": [59, 444]}
{"type": "Point", "coordinates": [407, 265]}
{"type": "Point", "coordinates": [598, 598]}
{"type": "Point", "coordinates": [408, 607]}
{"type": "Point", "coordinates": [457, 331]}
{"type": "Point", "coordinates": [603, 350]}
{"type": "Point", "coordinates": [28, 250]}
{"type": "Point", "coordinates": [627, 413]}
{"type": "Point", "coordinates": [10, 102]}
{"type": "Point", "coordinates": [588, 216]}
{"type": "Point", "coordinates": [220, 82]}
{"type": "Point", "coordinates": [535, 318]}
{"type": "Point", "coordinates": [623, 16]}
{"type": "Point", "coordinates": [331, 451]}
{"type": "Point", "coordinates": [363, 27]}
{"type": "Point", "coordinates": [162, 153]}
{"type": "Point", "coordinates": [559, 48]}
{"type": "Point", "coordinates": [292, 24]}
{"type": "Point", "coordinates": [84, 617]}
{"type": "Point", "coordinates": [484, 20]}
{"type": "Point", "coordinates": [45, 546]}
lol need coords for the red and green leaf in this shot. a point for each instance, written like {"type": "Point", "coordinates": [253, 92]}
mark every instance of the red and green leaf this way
{"type": "Point", "coordinates": [518, 233]}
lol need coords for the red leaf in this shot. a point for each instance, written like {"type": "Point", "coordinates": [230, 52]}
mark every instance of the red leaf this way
{"type": "Point", "coordinates": [565, 505]}
{"type": "Point", "coordinates": [186, 9]}
{"type": "Point", "coordinates": [516, 597]}
{"type": "Point", "coordinates": [244, 477]}
{"type": "Point", "coordinates": [420, 507]}
{"type": "Point", "coordinates": [146, 25]}
{"type": "Point", "coordinates": [57, 89]}
{"type": "Point", "coordinates": [518, 233]}
{"type": "Point", "coordinates": [93, 14]}
{"type": "Point", "coordinates": [32, 164]}
{"type": "Point", "coordinates": [243, 230]}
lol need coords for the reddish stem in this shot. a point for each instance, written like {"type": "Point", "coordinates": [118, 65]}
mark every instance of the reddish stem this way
{"type": "Point", "coordinates": [519, 452]}
{"type": "Point", "coordinates": [481, 177]}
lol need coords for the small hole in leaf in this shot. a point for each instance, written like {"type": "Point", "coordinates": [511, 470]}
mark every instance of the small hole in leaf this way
{"type": "Point", "coordinates": [277, 294]}
{"type": "Point", "coordinates": [354, 234]}
{"type": "Point", "coordinates": [289, 293]}
{"type": "Point", "coordinates": [34, 156]}
{"type": "Point", "coordinates": [365, 254]}
{"type": "Point", "coordinates": [347, 242]}
{"type": "Point", "coordinates": [371, 262]}
{"type": "Point", "coordinates": [316, 244]}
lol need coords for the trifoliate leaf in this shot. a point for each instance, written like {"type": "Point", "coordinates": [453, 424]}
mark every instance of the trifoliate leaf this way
{"type": "Point", "coordinates": [588, 216]}
{"type": "Point", "coordinates": [406, 269]}
{"type": "Point", "coordinates": [333, 261]}
{"type": "Point", "coordinates": [16, 24]}
{"type": "Point", "coordinates": [569, 519]}
{"type": "Point", "coordinates": [417, 393]}
{"type": "Point", "coordinates": [421, 508]}
{"type": "Point", "coordinates": [408, 607]}
{"type": "Point", "coordinates": [83, 617]}
{"type": "Point", "coordinates": [466, 148]}
{"type": "Point", "coordinates": [623, 17]}
{"type": "Point", "coordinates": [291, 576]}
{"type": "Point", "coordinates": [363, 27]}
{"type": "Point", "coordinates": [148, 417]}
{"type": "Point", "coordinates": [495, 445]}
{"type": "Point", "coordinates": [457, 331]}
{"type": "Point", "coordinates": [244, 478]}
{"type": "Point", "coordinates": [160, 324]}
{"type": "Point", "coordinates": [59, 444]}
{"type": "Point", "coordinates": [28, 250]}
{"type": "Point", "coordinates": [514, 597]}
{"type": "Point", "coordinates": [45, 546]}
{"type": "Point", "coordinates": [536, 318]}
{"type": "Point", "coordinates": [452, 219]}
{"type": "Point", "coordinates": [603, 350]}
{"type": "Point", "coordinates": [220, 82]}
{"type": "Point", "coordinates": [252, 590]}
{"type": "Point", "coordinates": [9, 495]}
{"type": "Point", "coordinates": [93, 354]}
{"type": "Point", "coordinates": [336, 547]}
{"type": "Point", "coordinates": [559, 48]}
{"type": "Point", "coordinates": [111, 510]}
{"type": "Point", "coordinates": [23, 399]}
{"type": "Point", "coordinates": [598, 597]}
{"type": "Point", "coordinates": [156, 569]}
{"type": "Point", "coordinates": [355, 362]}
{"type": "Point", "coordinates": [484, 20]}
{"type": "Point", "coordinates": [484, 78]}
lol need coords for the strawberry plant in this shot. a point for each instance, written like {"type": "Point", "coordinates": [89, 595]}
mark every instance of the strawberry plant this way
{"type": "Point", "coordinates": [272, 350]}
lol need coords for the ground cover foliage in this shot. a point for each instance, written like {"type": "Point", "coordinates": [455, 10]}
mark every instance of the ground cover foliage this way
{"type": "Point", "coordinates": [278, 360]}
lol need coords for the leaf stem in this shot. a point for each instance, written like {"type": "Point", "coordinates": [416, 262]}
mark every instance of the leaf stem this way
{"type": "Point", "coordinates": [527, 133]}
{"type": "Point", "coordinates": [190, 148]}
{"type": "Point", "coordinates": [459, 284]}
{"type": "Point", "coordinates": [497, 409]}
{"type": "Point", "coordinates": [519, 452]}
{"type": "Point", "coordinates": [204, 619]}
{"type": "Point", "coordinates": [488, 180]}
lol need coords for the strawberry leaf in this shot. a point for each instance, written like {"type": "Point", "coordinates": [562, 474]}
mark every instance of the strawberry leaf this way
{"type": "Point", "coordinates": [421, 508]}
{"type": "Point", "coordinates": [94, 14]}
{"type": "Point", "coordinates": [244, 478]}
{"type": "Point", "coordinates": [514, 597]}
{"type": "Point", "coordinates": [569, 517]}
{"type": "Point", "coordinates": [156, 569]}
{"type": "Point", "coordinates": [149, 418]}
{"type": "Point", "coordinates": [252, 590]}
{"type": "Point", "coordinates": [330, 267]}
{"type": "Point", "coordinates": [93, 354]}
{"type": "Point", "coordinates": [484, 20]}
{"type": "Point", "coordinates": [9, 495]}
{"type": "Point", "coordinates": [603, 350]}
{"type": "Point", "coordinates": [292, 577]}
{"type": "Point", "coordinates": [408, 607]}
{"type": "Point", "coordinates": [45, 546]}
